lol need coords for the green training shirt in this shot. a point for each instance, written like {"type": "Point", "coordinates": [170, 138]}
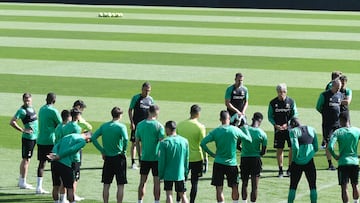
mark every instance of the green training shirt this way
{"type": "Point", "coordinates": [21, 114]}
{"type": "Point", "coordinates": [194, 132]}
{"type": "Point", "coordinates": [59, 132]}
{"type": "Point", "coordinates": [149, 133]}
{"type": "Point", "coordinates": [173, 158]}
{"type": "Point", "coordinates": [253, 149]}
{"type": "Point", "coordinates": [304, 144]}
{"type": "Point", "coordinates": [114, 138]}
{"type": "Point", "coordinates": [71, 127]}
{"type": "Point", "coordinates": [84, 125]}
{"type": "Point", "coordinates": [68, 148]}
{"type": "Point", "coordinates": [348, 139]}
{"type": "Point", "coordinates": [225, 138]}
{"type": "Point", "coordinates": [49, 118]}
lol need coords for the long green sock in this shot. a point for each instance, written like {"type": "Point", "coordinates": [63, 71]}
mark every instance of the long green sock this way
{"type": "Point", "coordinates": [291, 196]}
{"type": "Point", "coordinates": [313, 196]}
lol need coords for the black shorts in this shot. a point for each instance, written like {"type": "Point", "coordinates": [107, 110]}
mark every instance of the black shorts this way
{"type": "Point", "coordinates": [145, 167]}
{"type": "Point", "coordinates": [297, 170]}
{"type": "Point", "coordinates": [43, 151]}
{"type": "Point", "coordinates": [219, 172]}
{"type": "Point", "coordinates": [179, 185]}
{"type": "Point", "coordinates": [114, 166]}
{"type": "Point", "coordinates": [250, 166]}
{"type": "Point", "coordinates": [327, 132]}
{"type": "Point", "coordinates": [27, 148]}
{"type": "Point", "coordinates": [280, 137]}
{"type": "Point", "coordinates": [196, 169]}
{"type": "Point", "coordinates": [76, 167]}
{"type": "Point", "coordinates": [61, 173]}
{"type": "Point", "coordinates": [348, 172]}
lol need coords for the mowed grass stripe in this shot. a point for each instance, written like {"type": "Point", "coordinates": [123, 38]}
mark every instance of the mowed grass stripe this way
{"type": "Point", "coordinates": [237, 50]}
{"type": "Point", "coordinates": [236, 62]}
{"type": "Point", "coordinates": [188, 74]}
{"type": "Point", "coordinates": [98, 109]}
{"type": "Point", "coordinates": [191, 18]}
{"type": "Point", "coordinates": [171, 23]}
{"type": "Point", "coordinates": [163, 90]}
{"type": "Point", "coordinates": [309, 35]}
{"type": "Point", "coordinates": [187, 11]}
{"type": "Point", "coordinates": [181, 39]}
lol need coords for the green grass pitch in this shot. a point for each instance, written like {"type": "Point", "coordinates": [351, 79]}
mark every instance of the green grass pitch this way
{"type": "Point", "coordinates": [190, 55]}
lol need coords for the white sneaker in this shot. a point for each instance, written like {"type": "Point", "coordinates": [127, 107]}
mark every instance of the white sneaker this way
{"type": "Point", "coordinates": [134, 166]}
{"type": "Point", "coordinates": [64, 201]}
{"type": "Point", "coordinates": [77, 198]}
{"type": "Point", "coordinates": [41, 191]}
{"type": "Point", "coordinates": [26, 186]}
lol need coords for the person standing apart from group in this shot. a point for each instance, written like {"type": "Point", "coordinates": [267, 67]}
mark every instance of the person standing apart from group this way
{"type": "Point", "coordinates": [251, 152]}
{"type": "Point", "coordinates": [113, 149]}
{"type": "Point", "coordinates": [281, 110]}
{"type": "Point", "coordinates": [347, 96]}
{"type": "Point", "coordinates": [304, 146]}
{"type": "Point", "coordinates": [328, 105]}
{"type": "Point", "coordinates": [194, 132]}
{"type": "Point", "coordinates": [225, 163]}
{"type": "Point", "coordinates": [174, 162]}
{"type": "Point", "coordinates": [49, 119]}
{"type": "Point", "coordinates": [138, 111]}
{"type": "Point", "coordinates": [149, 133]}
{"type": "Point", "coordinates": [347, 138]}
{"type": "Point", "coordinates": [29, 132]}
{"type": "Point", "coordinates": [237, 96]}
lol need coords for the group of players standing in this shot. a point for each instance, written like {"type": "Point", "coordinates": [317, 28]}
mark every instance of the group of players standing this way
{"type": "Point", "coordinates": [171, 158]}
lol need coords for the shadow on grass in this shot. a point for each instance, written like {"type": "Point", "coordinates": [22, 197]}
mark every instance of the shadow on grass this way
{"type": "Point", "coordinates": [29, 198]}
{"type": "Point", "coordinates": [84, 168]}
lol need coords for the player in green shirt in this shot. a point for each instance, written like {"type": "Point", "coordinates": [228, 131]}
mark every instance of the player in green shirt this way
{"type": "Point", "coordinates": [113, 149]}
{"type": "Point", "coordinates": [174, 162]}
{"type": "Point", "coordinates": [49, 119]}
{"type": "Point", "coordinates": [251, 152]}
{"type": "Point", "coordinates": [63, 155]}
{"type": "Point", "coordinates": [29, 132]}
{"type": "Point", "coordinates": [194, 132]}
{"type": "Point", "coordinates": [304, 146]}
{"type": "Point", "coordinates": [149, 133]}
{"type": "Point", "coordinates": [225, 138]}
{"type": "Point", "coordinates": [347, 138]}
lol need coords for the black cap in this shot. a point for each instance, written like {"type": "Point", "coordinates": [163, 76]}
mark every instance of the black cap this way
{"type": "Point", "coordinates": [79, 103]}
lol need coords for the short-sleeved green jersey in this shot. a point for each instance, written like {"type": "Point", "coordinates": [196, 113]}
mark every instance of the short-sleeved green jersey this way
{"type": "Point", "coordinates": [49, 118]}
{"type": "Point", "coordinates": [173, 158]}
{"type": "Point", "coordinates": [348, 139]}
{"type": "Point", "coordinates": [68, 148]}
{"type": "Point", "coordinates": [149, 133]}
{"type": "Point", "coordinates": [194, 132]}
{"type": "Point", "coordinates": [84, 125]}
{"type": "Point", "coordinates": [71, 127]}
{"type": "Point", "coordinates": [59, 132]}
{"type": "Point", "coordinates": [21, 114]}
{"type": "Point", "coordinates": [114, 138]}
{"type": "Point", "coordinates": [225, 138]}
{"type": "Point", "coordinates": [253, 149]}
{"type": "Point", "coordinates": [304, 144]}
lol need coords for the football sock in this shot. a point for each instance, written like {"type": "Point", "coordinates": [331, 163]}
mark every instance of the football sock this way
{"type": "Point", "coordinates": [291, 195]}
{"type": "Point", "coordinates": [313, 195]}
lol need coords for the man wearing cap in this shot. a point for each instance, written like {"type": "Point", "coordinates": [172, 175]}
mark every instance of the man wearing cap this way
{"type": "Point", "coordinates": [174, 162]}
{"type": "Point", "coordinates": [149, 133]}
{"type": "Point", "coordinates": [29, 132]}
{"type": "Point", "coordinates": [237, 96]}
{"type": "Point", "coordinates": [281, 110]}
{"type": "Point", "coordinates": [328, 105]}
{"type": "Point", "coordinates": [138, 111]}
{"type": "Point", "coordinates": [113, 149]}
{"type": "Point", "coordinates": [225, 162]}
{"type": "Point", "coordinates": [304, 146]}
{"type": "Point", "coordinates": [62, 157]}
{"type": "Point", "coordinates": [49, 118]}
{"type": "Point", "coordinates": [194, 132]}
{"type": "Point", "coordinates": [251, 152]}
{"type": "Point", "coordinates": [347, 138]}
